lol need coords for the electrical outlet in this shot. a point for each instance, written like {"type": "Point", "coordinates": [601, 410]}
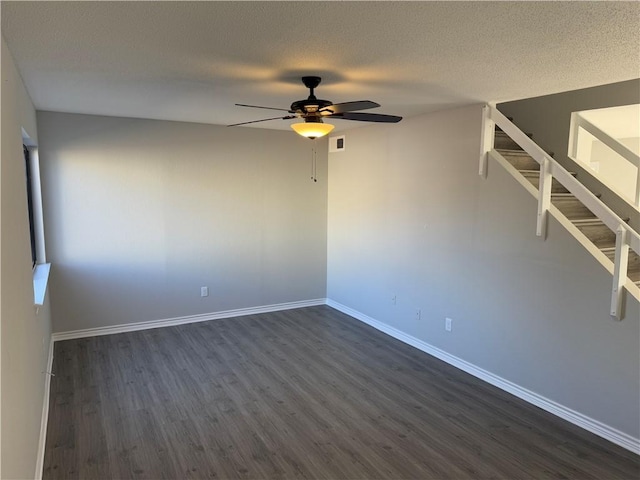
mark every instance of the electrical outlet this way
{"type": "Point", "coordinates": [418, 314]}
{"type": "Point", "coordinates": [447, 324]}
{"type": "Point", "coordinates": [204, 291]}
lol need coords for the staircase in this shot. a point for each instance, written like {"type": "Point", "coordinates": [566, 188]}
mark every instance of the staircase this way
{"type": "Point", "coordinates": [587, 222]}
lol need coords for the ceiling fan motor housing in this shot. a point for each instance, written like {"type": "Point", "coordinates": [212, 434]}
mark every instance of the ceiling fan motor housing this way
{"type": "Point", "coordinates": [311, 82]}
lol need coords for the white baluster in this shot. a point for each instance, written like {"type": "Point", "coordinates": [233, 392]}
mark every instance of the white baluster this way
{"type": "Point", "coordinates": [621, 261]}
{"type": "Point", "coordinates": [544, 197]}
{"type": "Point", "coordinates": [486, 139]}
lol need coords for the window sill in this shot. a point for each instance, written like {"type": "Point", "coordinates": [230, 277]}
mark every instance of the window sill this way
{"type": "Point", "coordinates": [40, 281]}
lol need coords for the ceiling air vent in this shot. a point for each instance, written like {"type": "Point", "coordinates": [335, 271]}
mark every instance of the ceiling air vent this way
{"type": "Point", "coordinates": [336, 144]}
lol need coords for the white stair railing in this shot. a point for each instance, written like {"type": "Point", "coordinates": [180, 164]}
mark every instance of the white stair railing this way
{"type": "Point", "coordinates": [626, 237]}
{"type": "Point", "coordinates": [578, 122]}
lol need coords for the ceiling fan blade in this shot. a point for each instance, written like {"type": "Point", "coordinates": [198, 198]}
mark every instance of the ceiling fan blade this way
{"type": "Point", "coordinates": [350, 106]}
{"type": "Point", "coordinates": [288, 117]}
{"type": "Point", "coordinates": [367, 117]}
{"type": "Point", "coordinates": [266, 108]}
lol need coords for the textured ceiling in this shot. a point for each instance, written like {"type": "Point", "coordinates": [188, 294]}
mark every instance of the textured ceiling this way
{"type": "Point", "coordinates": [191, 61]}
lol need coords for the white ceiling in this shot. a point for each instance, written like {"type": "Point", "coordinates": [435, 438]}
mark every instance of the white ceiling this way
{"type": "Point", "coordinates": [191, 61]}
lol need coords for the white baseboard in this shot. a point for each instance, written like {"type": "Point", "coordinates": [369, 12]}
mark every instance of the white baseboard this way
{"type": "Point", "coordinates": [168, 322]}
{"type": "Point", "coordinates": [45, 413]}
{"type": "Point", "coordinates": [608, 433]}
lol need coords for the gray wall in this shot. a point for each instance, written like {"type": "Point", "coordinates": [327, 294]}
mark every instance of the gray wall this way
{"type": "Point", "coordinates": [410, 217]}
{"type": "Point", "coordinates": [548, 118]}
{"type": "Point", "coordinates": [25, 333]}
{"type": "Point", "coordinates": [142, 213]}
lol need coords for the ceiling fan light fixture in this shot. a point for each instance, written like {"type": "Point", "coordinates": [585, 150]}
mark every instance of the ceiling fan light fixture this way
{"type": "Point", "coordinates": [312, 130]}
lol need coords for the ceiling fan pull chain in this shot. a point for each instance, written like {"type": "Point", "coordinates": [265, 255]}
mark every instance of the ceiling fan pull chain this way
{"type": "Point", "coordinates": [313, 164]}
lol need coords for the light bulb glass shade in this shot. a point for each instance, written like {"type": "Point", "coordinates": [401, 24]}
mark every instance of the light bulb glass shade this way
{"type": "Point", "coordinates": [312, 129]}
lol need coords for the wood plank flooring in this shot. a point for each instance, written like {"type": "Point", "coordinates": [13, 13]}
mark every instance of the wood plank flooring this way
{"type": "Point", "coordinates": [299, 394]}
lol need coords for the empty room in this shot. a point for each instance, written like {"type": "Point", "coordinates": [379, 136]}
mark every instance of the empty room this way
{"type": "Point", "coordinates": [320, 240]}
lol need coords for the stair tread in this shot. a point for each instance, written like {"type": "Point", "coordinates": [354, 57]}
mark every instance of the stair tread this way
{"type": "Point", "coordinates": [588, 221]}
{"type": "Point", "coordinates": [502, 140]}
{"type": "Point", "coordinates": [518, 152]}
{"type": "Point", "coordinates": [634, 258]}
{"type": "Point", "coordinates": [606, 250]}
{"type": "Point", "coordinates": [513, 151]}
{"type": "Point", "coordinates": [537, 172]}
{"type": "Point", "coordinates": [593, 221]}
{"type": "Point", "coordinates": [499, 131]}
{"type": "Point", "coordinates": [570, 195]}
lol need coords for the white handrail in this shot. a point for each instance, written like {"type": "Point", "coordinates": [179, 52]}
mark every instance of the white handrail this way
{"type": "Point", "coordinates": [578, 121]}
{"type": "Point", "coordinates": [626, 237]}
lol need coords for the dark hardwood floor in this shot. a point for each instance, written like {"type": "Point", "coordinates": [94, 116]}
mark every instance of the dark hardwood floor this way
{"type": "Point", "coordinates": [299, 394]}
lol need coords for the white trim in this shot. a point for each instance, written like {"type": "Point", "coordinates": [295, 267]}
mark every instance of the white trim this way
{"type": "Point", "coordinates": [168, 322]}
{"type": "Point", "coordinates": [594, 426]}
{"type": "Point", "coordinates": [45, 413]}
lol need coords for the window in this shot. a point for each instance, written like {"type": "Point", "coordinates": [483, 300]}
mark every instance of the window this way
{"type": "Point", "coordinates": [32, 227]}
{"type": "Point", "coordinates": [36, 225]}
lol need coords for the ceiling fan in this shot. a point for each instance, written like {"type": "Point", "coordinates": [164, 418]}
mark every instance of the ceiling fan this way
{"type": "Point", "coordinates": [313, 111]}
